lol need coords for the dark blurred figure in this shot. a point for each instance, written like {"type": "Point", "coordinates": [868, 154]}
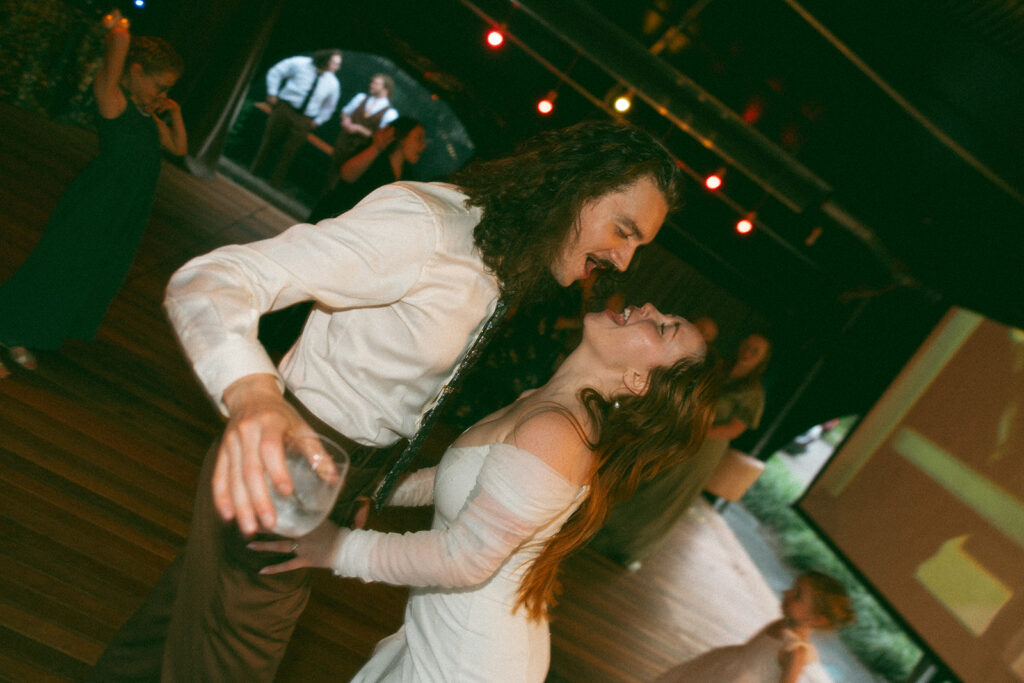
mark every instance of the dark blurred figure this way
{"type": "Point", "coordinates": [384, 161]}
{"type": "Point", "coordinates": [708, 329]}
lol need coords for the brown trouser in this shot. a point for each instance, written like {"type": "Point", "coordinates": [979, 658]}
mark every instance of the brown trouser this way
{"type": "Point", "coordinates": [211, 616]}
{"type": "Point", "coordinates": [283, 137]}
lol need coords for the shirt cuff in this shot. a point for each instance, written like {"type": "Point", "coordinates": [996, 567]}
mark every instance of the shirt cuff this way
{"type": "Point", "coordinates": [233, 361]}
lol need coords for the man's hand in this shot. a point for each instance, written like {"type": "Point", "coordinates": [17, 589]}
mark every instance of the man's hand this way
{"type": "Point", "coordinates": [252, 449]}
{"type": "Point", "coordinates": [271, 99]}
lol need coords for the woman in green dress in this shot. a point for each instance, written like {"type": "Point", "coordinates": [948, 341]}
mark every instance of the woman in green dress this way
{"type": "Point", "coordinates": [64, 287]}
{"type": "Point", "coordinates": [637, 527]}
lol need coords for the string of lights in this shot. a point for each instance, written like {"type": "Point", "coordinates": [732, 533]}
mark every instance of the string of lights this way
{"type": "Point", "coordinates": [498, 35]}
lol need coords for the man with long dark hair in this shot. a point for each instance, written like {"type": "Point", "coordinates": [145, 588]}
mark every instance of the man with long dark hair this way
{"type": "Point", "coordinates": [402, 285]}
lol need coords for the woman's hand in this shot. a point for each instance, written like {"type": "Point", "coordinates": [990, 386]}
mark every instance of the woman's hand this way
{"type": "Point", "coordinates": [382, 137]}
{"type": "Point", "coordinates": [165, 104]}
{"type": "Point", "coordinates": [116, 20]}
{"type": "Point", "coordinates": [315, 549]}
{"type": "Point", "coordinates": [252, 449]}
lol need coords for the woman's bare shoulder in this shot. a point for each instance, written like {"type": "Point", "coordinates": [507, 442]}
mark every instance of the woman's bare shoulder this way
{"type": "Point", "coordinates": [555, 436]}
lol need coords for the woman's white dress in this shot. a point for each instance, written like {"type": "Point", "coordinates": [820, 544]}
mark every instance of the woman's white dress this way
{"type": "Point", "coordinates": [495, 505]}
{"type": "Point", "coordinates": [755, 661]}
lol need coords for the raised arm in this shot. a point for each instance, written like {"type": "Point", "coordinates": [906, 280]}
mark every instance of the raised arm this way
{"type": "Point", "coordinates": [110, 100]}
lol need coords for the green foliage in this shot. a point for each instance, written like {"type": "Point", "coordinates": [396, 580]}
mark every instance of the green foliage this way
{"type": "Point", "coordinates": [833, 436]}
{"type": "Point", "coordinates": [49, 53]}
{"type": "Point", "coordinates": [876, 639]}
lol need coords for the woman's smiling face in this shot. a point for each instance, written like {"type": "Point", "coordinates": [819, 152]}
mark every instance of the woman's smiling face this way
{"type": "Point", "coordinates": [642, 338]}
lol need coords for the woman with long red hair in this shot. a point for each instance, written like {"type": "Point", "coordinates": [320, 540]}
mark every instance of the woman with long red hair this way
{"type": "Point", "coordinates": [516, 493]}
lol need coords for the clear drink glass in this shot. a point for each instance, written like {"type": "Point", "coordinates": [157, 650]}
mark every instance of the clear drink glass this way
{"type": "Point", "coordinates": [317, 467]}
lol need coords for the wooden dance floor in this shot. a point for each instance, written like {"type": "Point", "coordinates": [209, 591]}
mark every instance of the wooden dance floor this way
{"type": "Point", "coordinates": [100, 450]}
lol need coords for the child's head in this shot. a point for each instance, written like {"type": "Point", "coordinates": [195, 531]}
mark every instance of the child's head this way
{"type": "Point", "coordinates": [151, 68]}
{"type": "Point", "coordinates": [817, 600]}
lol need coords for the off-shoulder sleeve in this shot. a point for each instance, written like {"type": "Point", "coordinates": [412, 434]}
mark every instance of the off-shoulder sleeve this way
{"type": "Point", "coordinates": [516, 494]}
{"type": "Point", "coordinates": [414, 489]}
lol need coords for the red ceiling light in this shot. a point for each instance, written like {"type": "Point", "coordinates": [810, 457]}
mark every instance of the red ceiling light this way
{"type": "Point", "coordinates": [547, 104]}
{"type": "Point", "coordinates": [495, 38]}
{"type": "Point", "coordinates": [714, 180]}
{"type": "Point", "coordinates": [745, 225]}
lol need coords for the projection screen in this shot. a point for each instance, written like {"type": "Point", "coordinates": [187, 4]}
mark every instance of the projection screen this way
{"type": "Point", "coordinates": [926, 497]}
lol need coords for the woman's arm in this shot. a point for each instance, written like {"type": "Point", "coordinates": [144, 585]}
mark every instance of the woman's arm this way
{"type": "Point", "coordinates": [414, 489]}
{"type": "Point", "coordinates": [353, 169]}
{"type": "Point", "coordinates": [516, 494]}
{"type": "Point", "coordinates": [793, 662]}
{"type": "Point", "coordinates": [172, 136]}
{"type": "Point", "coordinates": [110, 101]}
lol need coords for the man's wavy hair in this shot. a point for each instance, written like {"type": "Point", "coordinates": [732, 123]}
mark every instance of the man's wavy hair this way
{"type": "Point", "coordinates": [531, 200]}
{"type": "Point", "coordinates": [321, 58]}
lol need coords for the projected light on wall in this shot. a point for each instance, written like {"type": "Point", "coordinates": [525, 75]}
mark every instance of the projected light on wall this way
{"type": "Point", "coordinates": [926, 497]}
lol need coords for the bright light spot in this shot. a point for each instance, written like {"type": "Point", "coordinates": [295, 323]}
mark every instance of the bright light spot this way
{"type": "Point", "coordinates": [622, 103]}
{"type": "Point", "coordinates": [495, 38]}
{"type": "Point", "coordinates": [744, 226]}
{"type": "Point", "coordinates": [140, 3]}
{"type": "Point", "coordinates": [545, 106]}
{"type": "Point", "coordinates": [713, 181]}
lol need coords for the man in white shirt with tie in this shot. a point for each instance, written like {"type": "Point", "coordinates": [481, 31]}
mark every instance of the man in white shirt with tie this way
{"type": "Point", "coordinates": [402, 284]}
{"type": "Point", "coordinates": [303, 92]}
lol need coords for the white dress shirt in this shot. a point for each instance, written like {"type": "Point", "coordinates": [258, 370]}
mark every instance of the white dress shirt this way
{"type": "Point", "coordinates": [298, 75]}
{"type": "Point", "coordinates": [401, 292]}
{"type": "Point", "coordinates": [373, 105]}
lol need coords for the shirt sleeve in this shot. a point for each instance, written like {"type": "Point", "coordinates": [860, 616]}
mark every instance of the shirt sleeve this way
{"type": "Point", "coordinates": [516, 495]}
{"type": "Point", "coordinates": [390, 115]}
{"type": "Point", "coordinates": [328, 104]}
{"type": "Point", "coordinates": [277, 73]}
{"type": "Point", "coordinates": [414, 489]}
{"type": "Point", "coordinates": [353, 103]}
{"type": "Point", "coordinates": [369, 256]}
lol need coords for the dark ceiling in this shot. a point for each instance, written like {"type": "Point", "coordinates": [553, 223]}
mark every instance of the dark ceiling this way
{"type": "Point", "coordinates": [890, 131]}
